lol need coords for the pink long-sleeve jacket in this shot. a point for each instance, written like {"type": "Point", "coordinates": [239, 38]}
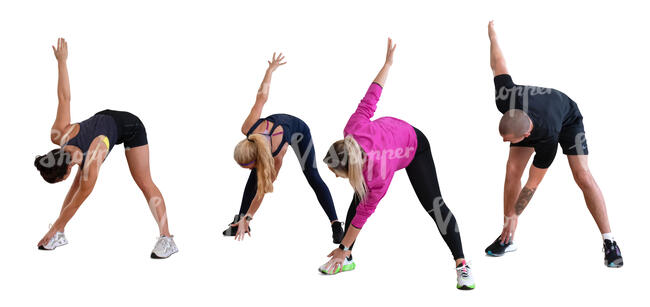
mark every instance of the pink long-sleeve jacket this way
{"type": "Point", "coordinates": [389, 144]}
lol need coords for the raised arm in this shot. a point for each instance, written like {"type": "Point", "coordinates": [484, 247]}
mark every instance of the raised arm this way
{"type": "Point", "coordinates": [497, 61]}
{"type": "Point", "coordinates": [368, 104]}
{"type": "Point", "coordinates": [62, 121]}
{"type": "Point", "coordinates": [262, 93]}
{"type": "Point", "coordinates": [383, 73]}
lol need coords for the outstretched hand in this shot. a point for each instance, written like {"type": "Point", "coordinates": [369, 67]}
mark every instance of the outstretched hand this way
{"type": "Point", "coordinates": [47, 237]}
{"type": "Point", "coordinates": [491, 32]}
{"type": "Point", "coordinates": [390, 51]}
{"type": "Point", "coordinates": [61, 50]}
{"type": "Point", "coordinates": [276, 62]}
{"type": "Point", "coordinates": [335, 263]}
{"type": "Point", "coordinates": [242, 229]}
{"type": "Point", "coordinates": [509, 227]}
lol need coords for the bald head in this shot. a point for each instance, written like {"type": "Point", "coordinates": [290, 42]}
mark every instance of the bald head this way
{"type": "Point", "coordinates": [514, 123]}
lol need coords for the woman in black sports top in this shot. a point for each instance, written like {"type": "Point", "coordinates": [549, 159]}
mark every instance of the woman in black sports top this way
{"type": "Point", "coordinates": [87, 144]}
{"type": "Point", "coordinates": [263, 150]}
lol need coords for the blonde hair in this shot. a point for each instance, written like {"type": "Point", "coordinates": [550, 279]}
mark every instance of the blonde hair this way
{"type": "Point", "coordinates": [347, 157]}
{"type": "Point", "coordinates": [256, 149]}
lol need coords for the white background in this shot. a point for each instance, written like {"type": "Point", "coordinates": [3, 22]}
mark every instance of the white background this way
{"type": "Point", "coordinates": [190, 72]}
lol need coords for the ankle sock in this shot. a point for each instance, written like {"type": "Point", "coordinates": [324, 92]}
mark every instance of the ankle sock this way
{"type": "Point", "coordinates": [608, 236]}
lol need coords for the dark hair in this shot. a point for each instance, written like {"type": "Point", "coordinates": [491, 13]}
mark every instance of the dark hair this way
{"type": "Point", "coordinates": [54, 165]}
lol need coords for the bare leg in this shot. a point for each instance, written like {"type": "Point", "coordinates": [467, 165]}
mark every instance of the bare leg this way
{"type": "Point", "coordinates": [593, 195]}
{"type": "Point", "coordinates": [138, 159]}
{"type": "Point", "coordinates": [497, 61]}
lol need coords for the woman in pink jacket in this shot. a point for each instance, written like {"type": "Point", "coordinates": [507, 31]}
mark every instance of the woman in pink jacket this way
{"type": "Point", "coordinates": [369, 155]}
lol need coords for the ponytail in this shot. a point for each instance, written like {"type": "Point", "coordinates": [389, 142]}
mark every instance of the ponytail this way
{"type": "Point", "coordinates": [256, 149]}
{"type": "Point", "coordinates": [347, 157]}
{"type": "Point", "coordinates": [355, 166]}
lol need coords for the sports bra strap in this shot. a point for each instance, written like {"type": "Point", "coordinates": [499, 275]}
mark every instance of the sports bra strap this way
{"type": "Point", "coordinates": [257, 123]}
{"type": "Point", "coordinates": [269, 135]}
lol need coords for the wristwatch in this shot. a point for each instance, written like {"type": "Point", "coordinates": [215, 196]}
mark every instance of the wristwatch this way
{"type": "Point", "coordinates": [248, 218]}
{"type": "Point", "coordinates": [344, 248]}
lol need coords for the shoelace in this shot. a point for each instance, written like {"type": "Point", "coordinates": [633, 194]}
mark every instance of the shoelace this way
{"type": "Point", "coordinates": [163, 243]}
{"type": "Point", "coordinates": [612, 248]}
{"type": "Point", "coordinates": [464, 271]}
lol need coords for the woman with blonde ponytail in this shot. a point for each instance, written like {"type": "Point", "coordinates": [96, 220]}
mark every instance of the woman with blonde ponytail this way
{"type": "Point", "coordinates": [369, 155]}
{"type": "Point", "coordinates": [267, 140]}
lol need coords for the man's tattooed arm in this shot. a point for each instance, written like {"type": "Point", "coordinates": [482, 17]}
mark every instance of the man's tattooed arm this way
{"type": "Point", "coordinates": [524, 198]}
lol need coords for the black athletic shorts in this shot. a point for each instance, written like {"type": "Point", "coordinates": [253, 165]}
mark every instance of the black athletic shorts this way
{"type": "Point", "coordinates": [130, 129]}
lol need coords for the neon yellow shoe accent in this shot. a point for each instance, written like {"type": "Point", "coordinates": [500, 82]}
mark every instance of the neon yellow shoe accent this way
{"type": "Point", "coordinates": [348, 266]}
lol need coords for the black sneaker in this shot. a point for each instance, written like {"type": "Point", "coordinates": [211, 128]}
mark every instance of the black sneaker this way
{"type": "Point", "coordinates": [613, 258]}
{"type": "Point", "coordinates": [232, 230]}
{"type": "Point", "coordinates": [337, 232]}
{"type": "Point", "coordinates": [496, 249]}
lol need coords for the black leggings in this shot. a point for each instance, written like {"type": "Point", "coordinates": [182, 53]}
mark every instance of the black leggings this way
{"type": "Point", "coordinates": [422, 173]}
{"type": "Point", "coordinates": [303, 147]}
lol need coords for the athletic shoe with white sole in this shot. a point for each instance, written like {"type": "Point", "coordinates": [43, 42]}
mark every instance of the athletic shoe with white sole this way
{"type": "Point", "coordinates": [348, 265]}
{"type": "Point", "coordinates": [57, 240]}
{"type": "Point", "coordinates": [464, 278]}
{"type": "Point", "coordinates": [613, 258]}
{"type": "Point", "coordinates": [496, 249]}
{"type": "Point", "coordinates": [164, 248]}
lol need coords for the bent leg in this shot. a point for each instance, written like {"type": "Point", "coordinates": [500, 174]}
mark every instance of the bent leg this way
{"type": "Point", "coordinates": [422, 174]}
{"type": "Point", "coordinates": [593, 196]}
{"type": "Point", "coordinates": [138, 160]}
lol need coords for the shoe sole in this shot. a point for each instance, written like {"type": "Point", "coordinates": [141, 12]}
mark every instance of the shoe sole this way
{"type": "Point", "coordinates": [154, 256]}
{"type": "Point", "coordinates": [225, 234]}
{"type": "Point", "coordinates": [613, 265]}
{"type": "Point", "coordinates": [465, 287]}
{"type": "Point", "coordinates": [508, 250]}
{"type": "Point", "coordinates": [41, 247]}
{"type": "Point", "coordinates": [348, 268]}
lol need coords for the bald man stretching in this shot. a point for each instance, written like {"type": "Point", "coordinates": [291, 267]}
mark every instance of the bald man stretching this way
{"type": "Point", "coordinates": [536, 119]}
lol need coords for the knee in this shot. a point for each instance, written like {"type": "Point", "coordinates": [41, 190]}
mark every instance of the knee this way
{"type": "Point", "coordinates": [514, 172]}
{"type": "Point", "coordinates": [145, 183]}
{"type": "Point", "coordinates": [584, 179]}
{"type": "Point", "coordinates": [312, 175]}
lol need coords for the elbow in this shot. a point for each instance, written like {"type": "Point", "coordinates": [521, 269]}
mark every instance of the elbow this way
{"type": "Point", "coordinates": [262, 97]}
{"type": "Point", "coordinates": [64, 97]}
{"type": "Point", "coordinates": [56, 133]}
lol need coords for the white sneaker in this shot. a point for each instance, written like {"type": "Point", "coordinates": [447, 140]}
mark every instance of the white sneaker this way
{"type": "Point", "coordinates": [348, 265]}
{"type": "Point", "coordinates": [465, 281]}
{"type": "Point", "coordinates": [57, 240]}
{"type": "Point", "coordinates": [164, 248]}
